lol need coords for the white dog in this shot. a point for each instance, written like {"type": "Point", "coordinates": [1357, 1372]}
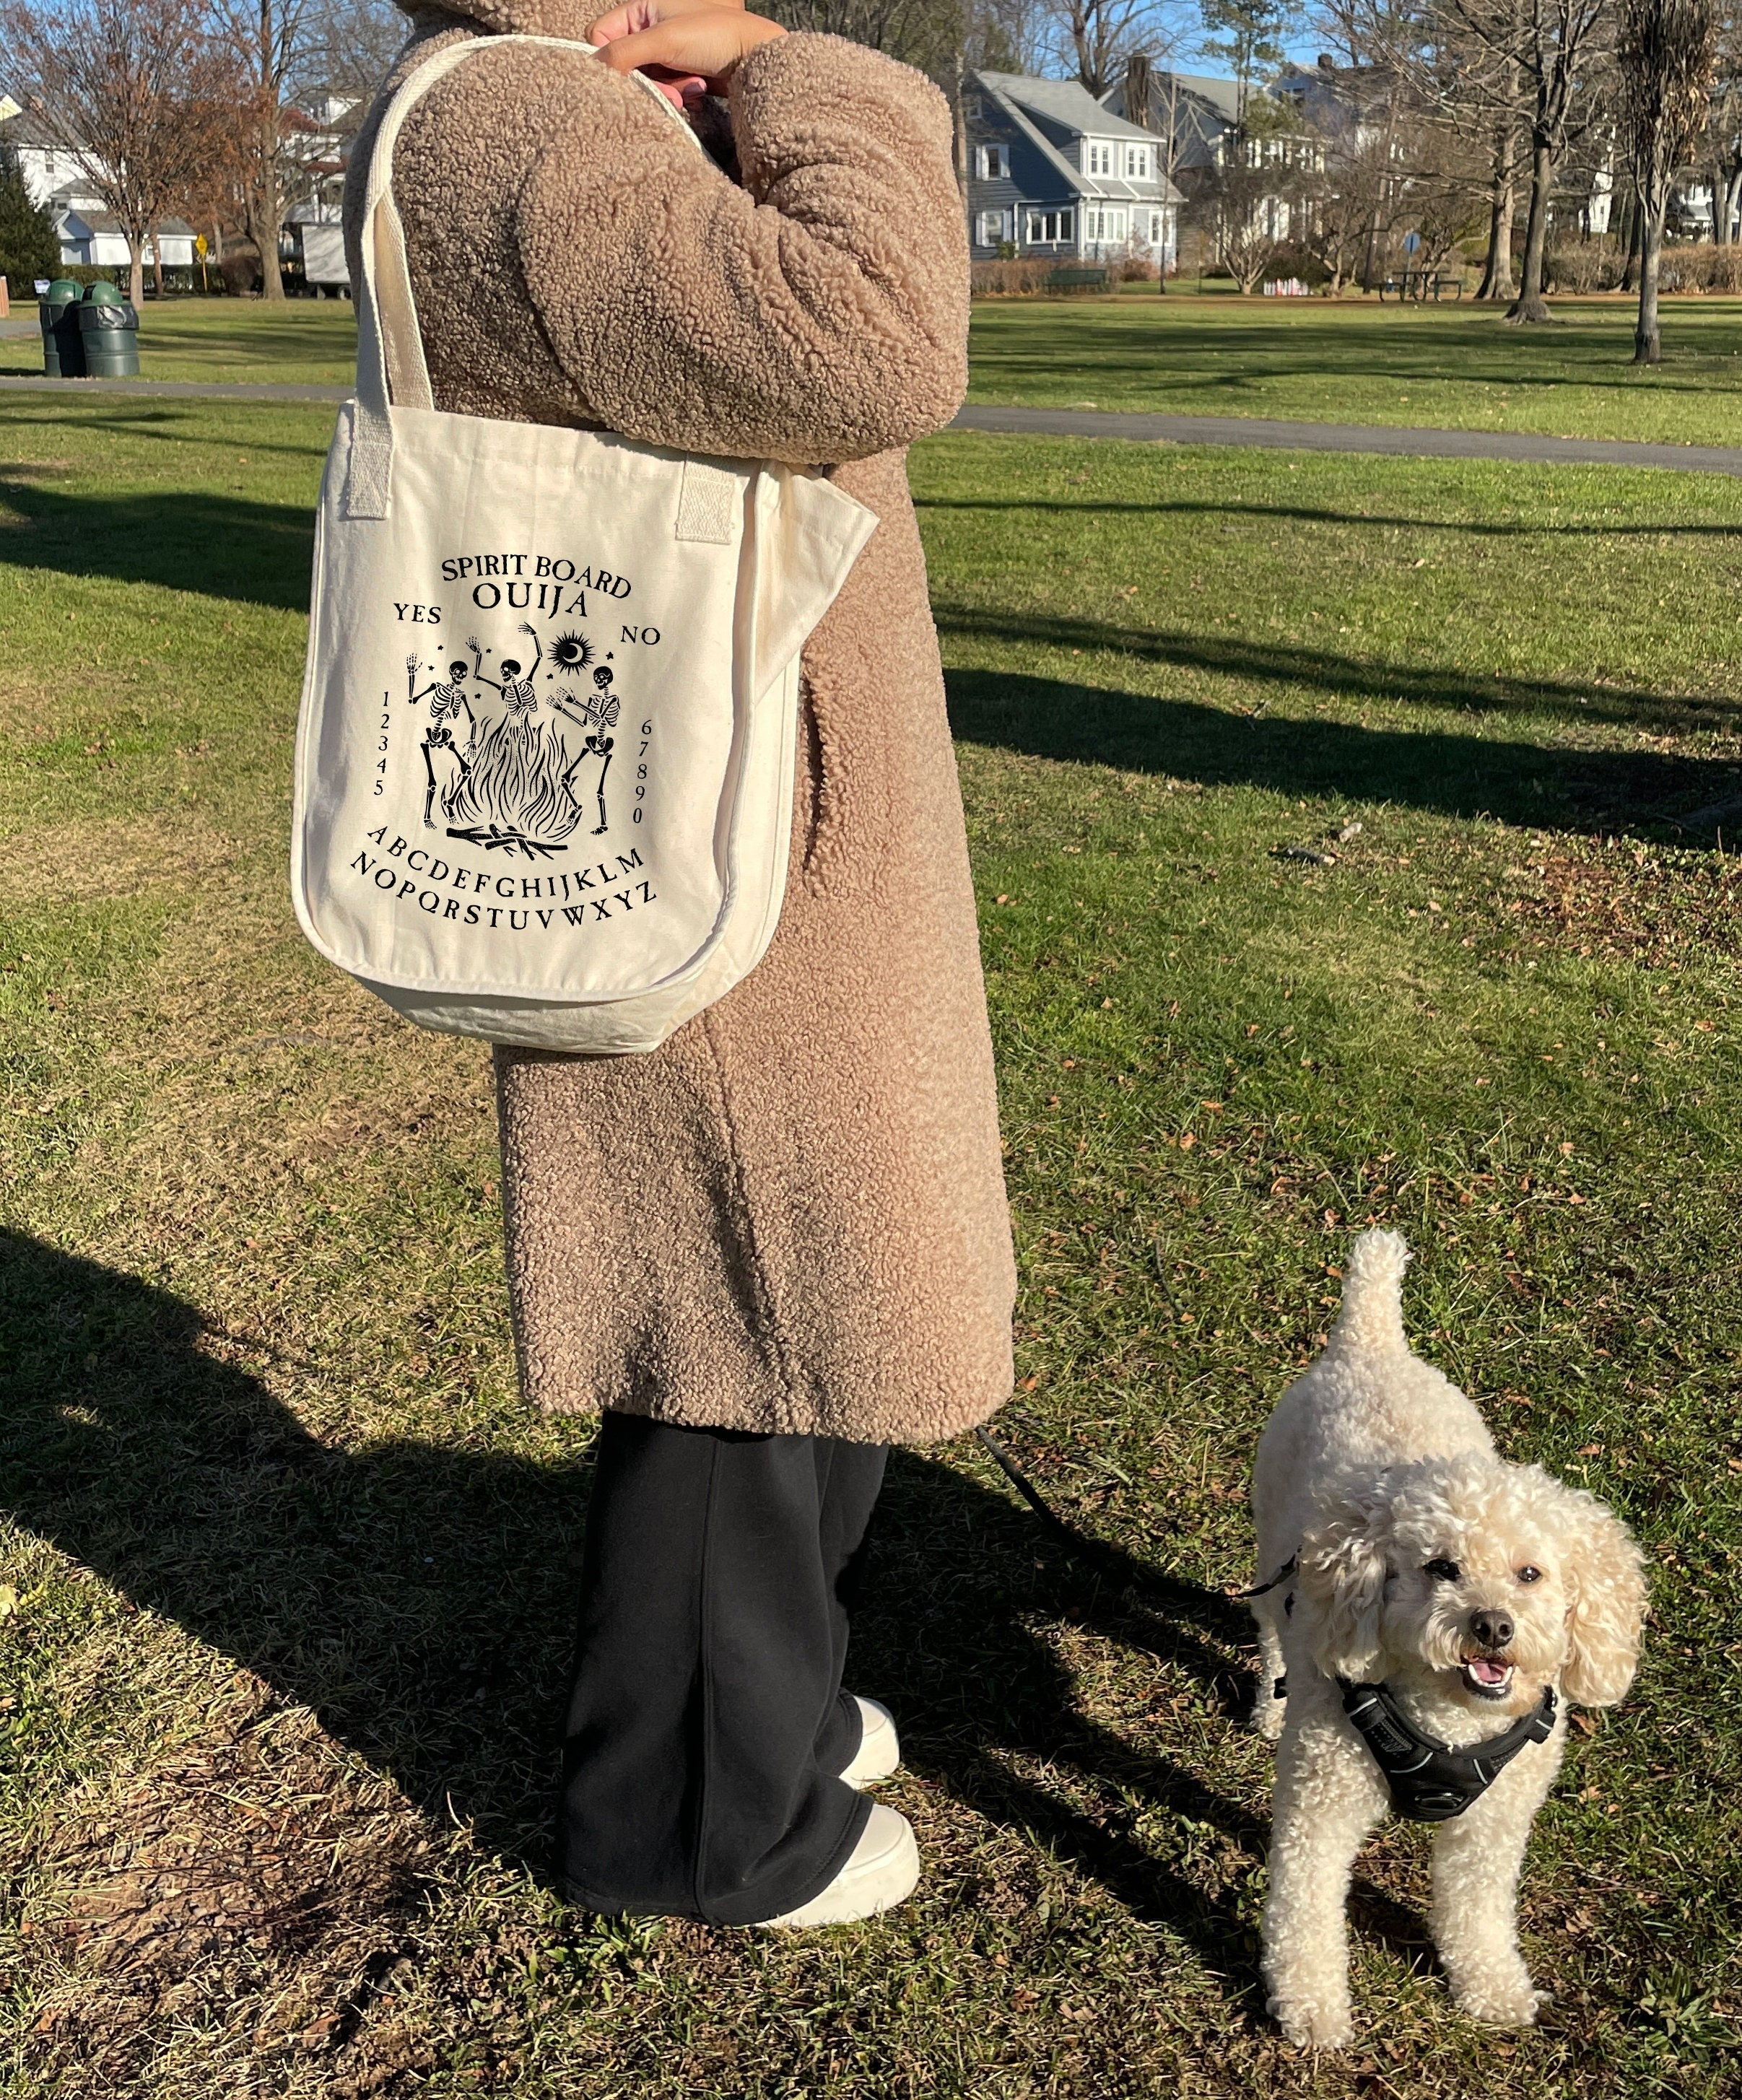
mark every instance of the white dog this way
{"type": "Point", "coordinates": [1434, 1605]}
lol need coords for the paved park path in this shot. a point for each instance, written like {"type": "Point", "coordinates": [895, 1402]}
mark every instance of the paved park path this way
{"type": "Point", "coordinates": [1397, 440]}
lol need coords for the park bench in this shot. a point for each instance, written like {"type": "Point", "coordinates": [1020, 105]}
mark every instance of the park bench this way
{"type": "Point", "coordinates": [1422, 285]}
{"type": "Point", "coordinates": [1084, 278]}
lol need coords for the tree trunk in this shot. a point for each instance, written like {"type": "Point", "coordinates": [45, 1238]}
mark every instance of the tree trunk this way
{"type": "Point", "coordinates": [1497, 272]}
{"type": "Point", "coordinates": [136, 267]}
{"type": "Point", "coordinates": [158, 265]}
{"type": "Point", "coordinates": [266, 235]}
{"type": "Point", "coordinates": [1647, 341]}
{"type": "Point", "coordinates": [1530, 304]}
{"type": "Point", "coordinates": [1379, 196]}
{"type": "Point", "coordinates": [1730, 191]}
{"type": "Point", "coordinates": [958, 119]}
{"type": "Point", "coordinates": [1630, 270]}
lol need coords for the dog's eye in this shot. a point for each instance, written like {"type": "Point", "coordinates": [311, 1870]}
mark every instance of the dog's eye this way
{"type": "Point", "coordinates": [1530, 1574]}
{"type": "Point", "coordinates": [1442, 1571]}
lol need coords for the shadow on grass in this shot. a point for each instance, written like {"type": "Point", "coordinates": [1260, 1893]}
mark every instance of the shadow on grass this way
{"type": "Point", "coordinates": [419, 1600]}
{"type": "Point", "coordinates": [1450, 775]}
{"type": "Point", "coordinates": [215, 545]}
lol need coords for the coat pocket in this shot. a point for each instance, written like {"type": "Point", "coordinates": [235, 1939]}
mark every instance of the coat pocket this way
{"type": "Point", "coordinates": [842, 784]}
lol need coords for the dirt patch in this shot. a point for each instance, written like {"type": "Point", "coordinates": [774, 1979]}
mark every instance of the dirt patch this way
{"type": "Point", "coordinates": [1626, 904]}
{"type": "Point", "coordinates": [257, 1879]}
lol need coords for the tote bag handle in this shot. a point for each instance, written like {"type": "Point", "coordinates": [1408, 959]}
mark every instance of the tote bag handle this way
{"type": "Point", "coordinates": [388, 335]}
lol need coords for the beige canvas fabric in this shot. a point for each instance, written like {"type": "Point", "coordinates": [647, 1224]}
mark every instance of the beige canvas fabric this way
{"type": "Point", "coordinates": [460, 842]}
{"type": "Point", "coordinates": [791, 1216]}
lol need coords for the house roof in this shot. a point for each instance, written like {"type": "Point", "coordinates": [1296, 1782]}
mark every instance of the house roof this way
{"type": "Point", "coordinates": [1069, 103]}
{"type": "Point", "coordinates": [1222, 95]}
{"type": "Point", "coordinates": [28, 129]}
{"type": "Point", "coordinates": [1066, 102]}
{"type": "Point", "coordinates": [79, 225]}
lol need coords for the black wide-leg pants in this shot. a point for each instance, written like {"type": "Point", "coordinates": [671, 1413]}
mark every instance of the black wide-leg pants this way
{"type": "Point", "coordinates": [709, 1727]}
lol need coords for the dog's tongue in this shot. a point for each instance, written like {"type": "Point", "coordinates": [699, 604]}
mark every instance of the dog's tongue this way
{"type": "Point", "coordinates": [1486, 1672]}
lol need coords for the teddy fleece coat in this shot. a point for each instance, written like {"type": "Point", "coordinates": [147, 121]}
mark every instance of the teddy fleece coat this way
{"type": "Point", "coordinates": [792, 1216]}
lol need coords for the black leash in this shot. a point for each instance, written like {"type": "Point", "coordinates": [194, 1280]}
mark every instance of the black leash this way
{"type": "Point", "coordinates": [1079, 1541]}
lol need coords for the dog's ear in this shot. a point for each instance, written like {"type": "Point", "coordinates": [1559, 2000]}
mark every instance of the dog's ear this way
{"type": "Point", "coordinates": [1341, 1579]}
{"type": "Point", "coordinates": [1605, 1576]}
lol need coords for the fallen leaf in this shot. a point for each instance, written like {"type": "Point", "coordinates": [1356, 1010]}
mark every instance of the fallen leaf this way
{"type": "Point", "coordinates": [8, 1600]}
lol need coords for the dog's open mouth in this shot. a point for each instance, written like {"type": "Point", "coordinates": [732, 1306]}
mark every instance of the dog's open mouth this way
{"type": "Point", "coordinates": [1487, 1676]}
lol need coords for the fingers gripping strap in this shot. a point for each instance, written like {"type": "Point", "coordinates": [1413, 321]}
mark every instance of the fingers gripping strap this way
{"type": "Point", "coordinates": [390, 362]}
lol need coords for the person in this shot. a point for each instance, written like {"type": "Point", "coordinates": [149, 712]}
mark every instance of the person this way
{"type": "Point", "coordinates": [779, 1244]}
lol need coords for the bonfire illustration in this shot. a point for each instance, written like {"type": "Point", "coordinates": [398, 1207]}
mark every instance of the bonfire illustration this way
{"type": "Point", "coordinates": [517, 794]}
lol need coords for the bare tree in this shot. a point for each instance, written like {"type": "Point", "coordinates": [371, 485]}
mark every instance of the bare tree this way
{"type": "Point", "coordinates": [117, 82]}
{"type": "Point", "coordinates": [1097, 35]}
{"type": "Point", "coordinates": [1007, 36]}
{"type": "Point", "coordinates": [1665, 54]}
{"type": "Point", "coordinates": [1723, 130]}
{"type": "Point", "coordinates": [267, 42]}
{"type": "Point", "coordinates": [1428, 76]}
{"type": "Point", "coordinates": [1504, 113]}
{"type": "Point", "coordinates": [925, 33]}
{"type": "Point", "coordinates": [1557, 47]}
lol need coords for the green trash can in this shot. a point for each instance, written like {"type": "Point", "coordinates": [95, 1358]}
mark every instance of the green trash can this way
{"type": "Point", "coordinates": [109, 334]}
{"type": "Point", "coordinates": [63, 354]}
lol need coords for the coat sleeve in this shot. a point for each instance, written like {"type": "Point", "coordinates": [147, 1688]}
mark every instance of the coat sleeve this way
{"type": "Point", "coordinates": [817, 313]}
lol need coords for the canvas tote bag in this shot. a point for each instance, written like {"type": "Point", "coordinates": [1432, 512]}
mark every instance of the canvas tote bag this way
{"type": "Point", "coordinates": [545, 760]}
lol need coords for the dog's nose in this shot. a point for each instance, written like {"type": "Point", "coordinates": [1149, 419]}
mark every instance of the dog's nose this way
{"type": "Point", "coordinates": [1493, 1629]}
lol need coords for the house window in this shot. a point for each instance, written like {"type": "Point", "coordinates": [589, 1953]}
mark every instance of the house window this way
{"type": "Point", "coordinates": [1100, 154]}
{"type": "Point", "coordinates": [1106, 222]}
{"type": "Point", "coordinates": [1137, 163]}
{"type": "Point", "coordinates": [992, 163]}
{"type": "Point", "coordinates": [1157, 229]}
{"type": "Point", "coordinates": [990, 227]}
{"type": "Point", "coordinates": [1045, 228]}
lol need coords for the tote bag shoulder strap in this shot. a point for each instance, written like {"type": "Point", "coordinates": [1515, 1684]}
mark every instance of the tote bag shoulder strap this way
{"type": "Point", "coordinates": [388, 336]}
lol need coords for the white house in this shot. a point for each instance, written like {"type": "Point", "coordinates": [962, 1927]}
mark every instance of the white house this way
{"type": "Point", "coordinates": [59, 178]}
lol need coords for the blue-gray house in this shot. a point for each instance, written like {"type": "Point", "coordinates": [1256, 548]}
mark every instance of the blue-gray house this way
{"type": "Point", "coordinates": [1051, 172]}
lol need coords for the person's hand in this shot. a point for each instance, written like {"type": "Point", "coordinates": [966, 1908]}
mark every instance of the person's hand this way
{"type": "Point", "coordinates": [686, 47]}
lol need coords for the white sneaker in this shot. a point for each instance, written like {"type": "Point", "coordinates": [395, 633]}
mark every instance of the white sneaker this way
{"type": "Point", "coordinates": [880, 1752]}
{"type": "Point", "coordinates": [881, 1872]}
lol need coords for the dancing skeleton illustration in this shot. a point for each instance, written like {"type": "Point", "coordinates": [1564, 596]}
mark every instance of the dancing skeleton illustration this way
{"type": "Point", "coordinates": [445, 764]}
{"type": "Point", "coordinates": [516, 787]}
{"type": "Point", "coordinates": [602, 709]}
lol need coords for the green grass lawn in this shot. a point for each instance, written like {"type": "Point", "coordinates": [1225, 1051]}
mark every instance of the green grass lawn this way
{"type": "Point", "coordinates": [1452, 367]}
{"type": "Point", "coordinates": [306, 342]}
{"type": "Point", "coordinates": [291, 1569]}
{"type": "Point", "coordinates": [1456, 367]}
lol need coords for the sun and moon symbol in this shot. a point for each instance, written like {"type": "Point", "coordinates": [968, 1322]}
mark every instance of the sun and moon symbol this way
{"type": "Point", "coordinates": [573, 653]}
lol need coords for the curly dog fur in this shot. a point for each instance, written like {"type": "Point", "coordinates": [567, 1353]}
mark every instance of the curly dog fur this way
{"type": "Point", "coordinates": [1463, 1582]}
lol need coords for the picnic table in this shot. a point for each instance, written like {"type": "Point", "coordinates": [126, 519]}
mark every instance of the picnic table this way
{"type": "Point", "coordinates": [1422, 285]}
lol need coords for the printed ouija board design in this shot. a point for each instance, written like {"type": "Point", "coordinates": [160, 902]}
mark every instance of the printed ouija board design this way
{"type": "Point", "coordinates": [515, 739]}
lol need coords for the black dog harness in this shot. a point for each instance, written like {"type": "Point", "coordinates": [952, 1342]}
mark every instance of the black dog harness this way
{"type": "Point", "coordinates": [1429, 1781]}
